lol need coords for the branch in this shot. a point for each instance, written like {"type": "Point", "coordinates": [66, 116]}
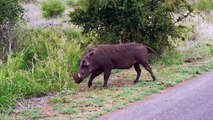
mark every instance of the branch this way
{"type": "Point", "coordinates": [187, 14]}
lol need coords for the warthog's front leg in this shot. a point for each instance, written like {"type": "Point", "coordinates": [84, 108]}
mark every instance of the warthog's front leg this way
{"type": "Point", "coordinates": [138, 70]}
{"type": "Point", "coordinates": [94, 74]}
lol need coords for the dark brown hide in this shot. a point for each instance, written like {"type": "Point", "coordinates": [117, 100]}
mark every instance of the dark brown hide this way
{"type": "Point", "coordinates": [104, 58]}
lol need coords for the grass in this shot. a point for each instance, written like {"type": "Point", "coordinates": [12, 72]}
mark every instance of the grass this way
{"type": "Point", "coordinates": [55, 100]}
{"type": "Point", "coordinates": [65, 109]}
{"type": "Point", "coordinates": [52, 8]}
{"type": "Point", "coordinates": [33, 113]}
{"type": "Point", "coordinates": [42, 64]}
{"type": "Point", "coordinates": [204, 5]}
{"type": "Point", "coordinates": [70, 2]}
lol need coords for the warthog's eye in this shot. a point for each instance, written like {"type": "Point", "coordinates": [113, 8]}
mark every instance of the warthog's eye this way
{"type": "Point", "coordinates": [85, 64]}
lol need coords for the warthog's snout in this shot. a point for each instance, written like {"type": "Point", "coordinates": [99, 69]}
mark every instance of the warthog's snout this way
{"type": "Point", "coordinates": [77, 78]}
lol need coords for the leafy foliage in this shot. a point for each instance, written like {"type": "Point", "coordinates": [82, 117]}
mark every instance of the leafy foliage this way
{"type": "Point", "coordinates": [120, 21]}
{"type": "Point", "coordinates": [10, 11]}
{"type": "Point", "coordinates": [52, 8]}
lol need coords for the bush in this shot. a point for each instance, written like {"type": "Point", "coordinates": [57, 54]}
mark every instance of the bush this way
{"type": "Point", "coordinates": [52, 8]}
{"type": "Point", "coordinates": [130, 20]}
{"type": "Point", "coordinates": [10, 11]}
{"type": "Point", "coordinates": [43, 64]}
{"type": "Point", "coordinates": [77, 36]}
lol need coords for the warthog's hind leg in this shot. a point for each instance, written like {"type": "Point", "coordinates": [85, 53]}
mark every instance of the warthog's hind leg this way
{"type": "Point", "coordinates": [148, 68]}
{"type": "Point", "coordinates": [138, 70]}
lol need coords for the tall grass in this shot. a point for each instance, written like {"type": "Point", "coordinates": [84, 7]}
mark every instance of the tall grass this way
{"type": "Point", "coordinates": [70, 2]}
{"type": "Point", "coordinates": [204, 5]}
{"type": "Point", "coordinates": [42, 64]}
{"type": "Point", "coordinates": [52, 8]}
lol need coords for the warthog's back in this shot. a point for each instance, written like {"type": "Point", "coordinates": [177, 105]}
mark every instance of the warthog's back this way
{"type": "Point", "coordinates": [121, 56]}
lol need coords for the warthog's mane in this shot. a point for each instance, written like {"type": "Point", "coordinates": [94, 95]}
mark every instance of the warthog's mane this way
{"type": "Point", "coordinates": [112, 49]}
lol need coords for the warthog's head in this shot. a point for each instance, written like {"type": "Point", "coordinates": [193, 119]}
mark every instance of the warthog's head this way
{"type": "Point", "coordinates": [85, 69]}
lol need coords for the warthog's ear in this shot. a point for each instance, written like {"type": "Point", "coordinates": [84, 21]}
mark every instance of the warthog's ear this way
{"type": "Point", "coordinates": [91, 53]}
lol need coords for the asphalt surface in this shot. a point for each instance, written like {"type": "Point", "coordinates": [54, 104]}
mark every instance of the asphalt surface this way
{"type": "Point", "coordinates": [190, 100]}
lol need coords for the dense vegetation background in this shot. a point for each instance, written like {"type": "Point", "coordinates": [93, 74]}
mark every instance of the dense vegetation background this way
{"type": "Point", "coordinates": [143, 21]}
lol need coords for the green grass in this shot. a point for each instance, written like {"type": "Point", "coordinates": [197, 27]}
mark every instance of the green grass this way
{"type": "Point", "coordinates": [55, 100]}
{"type": "Point", "coordinates": [42, 64]}
{"type": "Point", "coordinates": [33, 113]}
{"type": "Point", "coordinates": [70, 2]}
{"type": "Point", "coordinates": [65, 109]}
{"type": "Point", "coordinates": [52, 8]}
{"type": "Point", "coordinates": [204, 5]}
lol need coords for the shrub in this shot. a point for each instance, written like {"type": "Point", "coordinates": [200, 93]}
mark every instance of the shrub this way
{"type": "Point", "coordinates": [52, 8]}
{"type": "Point", "coordinates": [77, 36]}
{"type": "Point", "coordinates": [10, 11]}
{"type": "Point", "coordinates": [122, 21]}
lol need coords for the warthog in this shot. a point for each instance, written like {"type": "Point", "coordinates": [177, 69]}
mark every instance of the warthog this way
{"type": "Point", "coordinates": [104, 58]}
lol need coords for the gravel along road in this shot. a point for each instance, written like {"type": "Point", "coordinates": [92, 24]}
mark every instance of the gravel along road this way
{"type": "Point", "coordinates": [190, 100]}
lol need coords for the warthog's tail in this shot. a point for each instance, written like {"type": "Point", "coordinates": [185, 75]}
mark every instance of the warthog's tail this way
{"type": "Point", "coordinates": [152, 50]}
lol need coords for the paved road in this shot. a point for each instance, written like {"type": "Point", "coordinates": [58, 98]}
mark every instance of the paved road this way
{"type": "Point", "coordinates": [191, 100]}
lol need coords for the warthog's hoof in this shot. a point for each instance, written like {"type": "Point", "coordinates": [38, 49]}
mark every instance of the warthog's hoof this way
{"type": "Point", "coordinates": [105, 86]}
{"type": "Point", "coordinates": [135, 81]}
